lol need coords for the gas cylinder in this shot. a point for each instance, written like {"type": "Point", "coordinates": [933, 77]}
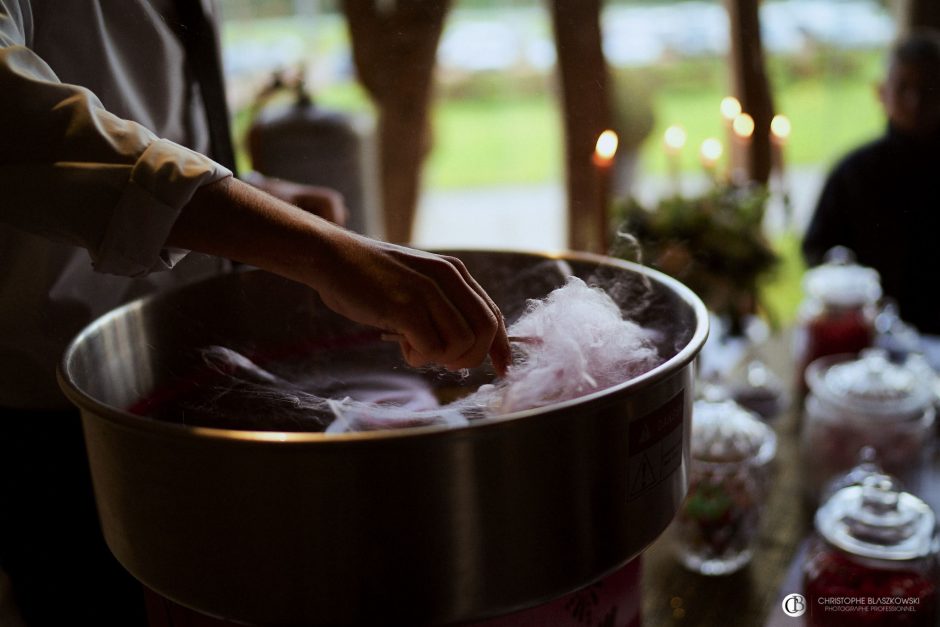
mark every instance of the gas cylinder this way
{"type": "Point", "coordinates": [301, 142]}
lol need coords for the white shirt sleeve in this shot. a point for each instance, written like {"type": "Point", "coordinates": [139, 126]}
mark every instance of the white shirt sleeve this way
{"type": "Point", "coordinates": [73, 172]}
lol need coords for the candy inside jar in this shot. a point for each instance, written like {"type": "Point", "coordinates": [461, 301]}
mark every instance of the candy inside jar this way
{"type": "Point", "coordinates": [838, 313]}
{"type": "Point", "coordinates": [760, 390]}
{"type": "Point", "coordinates": [873, 558]}
{"type": "Point", "coordinates": [731, 452]}
{"type": "Point", "coordinates": [869, 401]}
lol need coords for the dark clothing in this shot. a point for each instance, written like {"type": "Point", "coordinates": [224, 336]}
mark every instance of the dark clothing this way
{"type": "Point", "coordinates": [883, 202]}
{"type": "Point", "coordinates": [51, 544]}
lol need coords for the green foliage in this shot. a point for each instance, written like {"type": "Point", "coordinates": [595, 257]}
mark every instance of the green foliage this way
{"type": "Point", "coordinates": [782, 290]}
{"type": "Point", "coordinates": [714, 243]}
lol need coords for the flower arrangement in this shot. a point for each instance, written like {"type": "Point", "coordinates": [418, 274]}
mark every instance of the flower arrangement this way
{"type": "Point", "coordinates": [714, 243]}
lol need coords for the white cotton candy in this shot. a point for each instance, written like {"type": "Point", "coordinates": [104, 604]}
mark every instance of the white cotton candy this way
{"type": "Point", "coordinates": [573, 343]}
{"type": "Point", "coordinates": [353, 416]}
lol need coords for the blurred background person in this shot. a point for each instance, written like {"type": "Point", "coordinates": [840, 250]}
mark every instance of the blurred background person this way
{"type": "Point", "coordinates": [881, 200]}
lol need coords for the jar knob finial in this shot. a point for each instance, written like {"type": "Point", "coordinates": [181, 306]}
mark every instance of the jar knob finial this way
{"type": "Point", "coordinates": [879, 494]}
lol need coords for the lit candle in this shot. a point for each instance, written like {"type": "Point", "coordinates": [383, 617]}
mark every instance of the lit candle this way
{"type": "Point", "coordinates": [605, 149]}
{"type": "Point", "coordinates": [779, 134]}
{"type": "Point", "coordinates": [603, 158]}
{"type": "Point", "coordinates": [780, 127]}
{"type": "Point", "coordinates": [674, 140]}
{"type": "Point", "coordinates": [743, 127]}
{"type": "Point", "coordinates": [709, 154]}
{"type": "Point", "coordinates": [730, 109]}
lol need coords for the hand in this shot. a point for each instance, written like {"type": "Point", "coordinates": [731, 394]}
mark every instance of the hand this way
{"type": "Point", "coordinates": [320, 201]}
{"type": "Point", "coordinates": [431, 301]}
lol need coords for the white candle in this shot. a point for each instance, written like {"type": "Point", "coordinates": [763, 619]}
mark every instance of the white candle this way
{"type": "Point", "coordinates": [743, 126]}
{"type": "Point", "coordinates": [730, 109]}
{"type": "Point", "coordinates": [604, 151]}
{"type": "Point", "coordinates": [674, 140]}
{"type": "Point", "coordinates": [709, 154]}
{"type": "Point", "coordinates": [779, 134]}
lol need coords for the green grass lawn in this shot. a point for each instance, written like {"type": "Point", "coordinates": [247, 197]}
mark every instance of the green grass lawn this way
{"type": "Point", "coordinates": [516, 141]}
{"type": "Point", "coordinates": [506, 139]}
{"type": "Point", "coordinates": [512, 139]}
{"type": "Point", "coordinates": [827, 120]}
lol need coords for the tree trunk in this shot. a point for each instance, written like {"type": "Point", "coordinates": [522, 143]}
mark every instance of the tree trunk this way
{"type": "Point", "coordinates": [394, 47]}
{"type": "Point", "coordinates": [918, 14]}
{"type": "Point", "coordinates": [586, 111]}
{"type": "Point", "coordinates": [750, 84]}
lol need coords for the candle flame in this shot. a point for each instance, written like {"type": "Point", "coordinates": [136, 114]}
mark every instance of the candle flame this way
{"type": "Point", "coordinates": [711, 151]}
{"type": "Point", "coordinates": [675, 137]}
{"type": "Point", "coordinates": [743, 125]}
{"type": "Point", "coordinates": [730, 107]}
{"type": "Point", "coordinates": [780, 127]}
{"type": "Point", "coordinates": [606, 146]}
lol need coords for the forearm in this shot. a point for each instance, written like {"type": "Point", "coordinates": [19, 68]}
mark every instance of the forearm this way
{"type": "Point", "coordinates": [322, 201]}
{"type": "Point", "coordinates": [232, 219]}
{"type": "Point", "coordinates": [442, 314]}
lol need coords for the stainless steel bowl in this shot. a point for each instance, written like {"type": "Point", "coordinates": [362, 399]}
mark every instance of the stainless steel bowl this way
{"type": "Point", "coordinates": [427, 525]}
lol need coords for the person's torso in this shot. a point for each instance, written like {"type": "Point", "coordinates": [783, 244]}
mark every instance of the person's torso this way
{"type": "Point", "coordinates": [128, 53]}
{"type": "Point", "coordinates": [896, 218]}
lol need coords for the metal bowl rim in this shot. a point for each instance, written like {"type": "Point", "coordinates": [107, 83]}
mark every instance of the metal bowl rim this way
{"type": "Point", "coordinates": [143, 423]}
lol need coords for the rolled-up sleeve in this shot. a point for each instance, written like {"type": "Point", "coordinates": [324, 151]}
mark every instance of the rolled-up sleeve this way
{"type": "Point", "coordinates": [73, 172]}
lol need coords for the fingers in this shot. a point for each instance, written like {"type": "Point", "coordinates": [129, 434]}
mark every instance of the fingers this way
{"type": "Point", "coordinates": [462, 324]}
{"type": "Point", "coordinates": [432, 329]}
{"type": "Point", "coordinates": [499, 350]}
{"type": "Point", "coordinates": [448, 317]}
{"type": "Point", "coordinates": [441, 312]}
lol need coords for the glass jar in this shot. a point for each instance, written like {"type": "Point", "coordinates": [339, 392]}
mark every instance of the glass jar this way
{"type": "Point", "coordinates": [729, 475]}
{"type": "Point", "coordinates": [759, 390]}
{"type": "Point", "coordinates": [838, 312]}
{"type": "Point", "coordinates": [873, 558]}
{"type": "Point", "coordinates": [897, 337]}
{"type": "Point", "coordinates": [869, 401]}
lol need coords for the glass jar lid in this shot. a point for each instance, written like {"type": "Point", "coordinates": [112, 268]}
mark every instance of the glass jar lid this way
{"type": "Point", "coordinates": [872, 385]}
{"type": "Point", "coordinates": [725, 432]}
{"type": "Point", "coordinates": [877, 519]}
{"type": "Point", "coordinates": [841, 282]}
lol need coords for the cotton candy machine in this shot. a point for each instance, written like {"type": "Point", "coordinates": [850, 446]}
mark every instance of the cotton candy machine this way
{"type": "Point", "coordinates": [428, 525]}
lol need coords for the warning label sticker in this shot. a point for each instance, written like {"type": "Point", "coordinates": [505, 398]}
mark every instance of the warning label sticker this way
{"type": "Point", "coordinates": [655, 446]}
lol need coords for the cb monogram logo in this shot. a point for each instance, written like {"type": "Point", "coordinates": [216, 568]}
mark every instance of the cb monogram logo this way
{"type": "Point", "coordinates": [794, 605]}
